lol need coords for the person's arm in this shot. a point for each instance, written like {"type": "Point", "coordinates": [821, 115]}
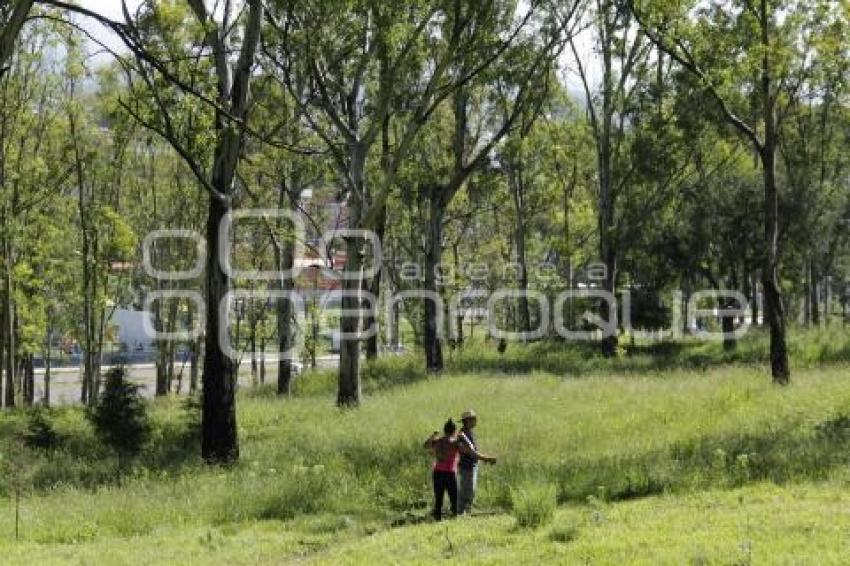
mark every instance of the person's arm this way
{"type": "Point", "coordinates": [465, 448]}
{"type": "Point", "coordinates": [429, 444]}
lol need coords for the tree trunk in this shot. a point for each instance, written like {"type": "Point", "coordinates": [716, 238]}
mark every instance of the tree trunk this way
{"type": "Point", "coordinates": [348, 394]}
{"type": "Point", "coordinates": [433, 256]}
{"type": "Point", "coordinates": [395, 332]}
{"type": "Point", "coordinates": [161, 381]}
{"type": "Point", "coordinates": [255, 368]}
{"type": "Point", "coordinates": [3, 327]}
{"type": "Point", "coordinates": [458, 337]}
{"type": "Point", "coordinates": [827, 311]}
{"type": "Point", "coordinates": [86, 393]}
{"type": "Point", "coordinates": [98, 352]}
{"type": "Point", "coordinates": [194, 348]}
{"type": "Point", "coordinates": [161, 356]}
{"type": "Point", "coordinates": [770, 277]}
{"type": "Point", "coordinates": [754, 302]}
{"type": "Point", "coordinates": [285, 308]}
{"type": "Point", "coordinates": [349, 348]}
{"type": "Point", "coordinates": [194, 369]}
{"type": "Point", "coordinates": [9, 330]}
{"type": "Point", "coordinates": [375, 290]}
{"type": "Point", "coordinates": [814, 295]}
{"type": "Point", "coordinates": [172, 347]}
{"type": "Point", "coordinates": [219, 442]}
{"type": "Point", "coordinates": [727, 323]}
{"type": "Point", "coordinates": [45, 397]}
{"type": "Point", "coordinates": [285, 340]}
{"type": "Point", "coordinates": [607, 236]}
{"type": "Point", "coordinates": [9, 33]}
{"type": "Point", "coordinates": [29, 380]}
{"type": "Point", "coordinates": [773, 307]}
{"type": "Point", "coordinates": [524, 313]}
{"type": "Point", "coordinates": [263, 360]}
{"type": "Point", "coordinates": [608, 309]}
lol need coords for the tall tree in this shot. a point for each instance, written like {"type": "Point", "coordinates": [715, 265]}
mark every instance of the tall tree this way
{"type": "Point", "coordinates": [515, 84]}
{"type": "Point", "coordinates": [622, 50]}
{"type": "Point", "coordinates": [724, 46]}
{"type": "Point", "coordinates": [170, 80]}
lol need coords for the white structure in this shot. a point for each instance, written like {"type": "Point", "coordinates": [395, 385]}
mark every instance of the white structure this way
{"type": "Point", "coordinates": [131, 328]}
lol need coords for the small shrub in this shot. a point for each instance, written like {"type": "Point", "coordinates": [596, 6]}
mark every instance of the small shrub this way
{"type": "Point", "coordinates": [120, 418]}
{"type": "Point", "coordinates": [533, 505]}
{"type": "Point", "coordinates": [40, 431]}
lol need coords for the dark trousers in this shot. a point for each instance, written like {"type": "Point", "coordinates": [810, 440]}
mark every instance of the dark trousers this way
{"type": "Point", "coordinates": [444, 482]}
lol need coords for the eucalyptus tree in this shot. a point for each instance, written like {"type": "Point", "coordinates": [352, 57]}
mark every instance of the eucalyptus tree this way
{"type": "Point", "coordinates": [624, 58]}
{"type": "Point", "coordinates": [343, 86]}
{"type": "Point", "coordinates": [283, 172]}
{"type": "Point", "coordinates": [215, 36]}
{"type": "Point", "coordinates": [543, 160]}
{"type": "Point", "coordinates": [190, 71]}
{"type": "Point", "coordinates": [751, 57]}
{"type": "Point", "coordinates": [359, 70]}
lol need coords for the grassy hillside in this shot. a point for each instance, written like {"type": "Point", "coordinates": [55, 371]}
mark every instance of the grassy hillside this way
{"type": "Point", "coordinates": [764, 524]}
{"type": "Point", "coordinates": [637, 462]}
{"type": "Point", "coordinates": [761, 524]}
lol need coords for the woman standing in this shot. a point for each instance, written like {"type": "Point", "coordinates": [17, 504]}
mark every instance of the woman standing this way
{"type": "Point", "coordinates": [446, 455]}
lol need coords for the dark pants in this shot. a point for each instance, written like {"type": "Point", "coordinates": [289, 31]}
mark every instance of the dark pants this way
{"type": "Point", "coordinates": [444, 482]}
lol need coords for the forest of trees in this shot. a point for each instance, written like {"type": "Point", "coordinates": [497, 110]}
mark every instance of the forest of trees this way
{"type": "Point", "coordinates": [631, 146]}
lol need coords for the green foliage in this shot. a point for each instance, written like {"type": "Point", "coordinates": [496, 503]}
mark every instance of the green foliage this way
{"type": "Point", "coordinates": [120, 417]}
{"type": "Point", "coordinates": [41, 431]}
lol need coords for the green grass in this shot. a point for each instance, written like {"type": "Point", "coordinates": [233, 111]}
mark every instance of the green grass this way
{"type": "Point", "coordinates": [661, 466]}
{"type": "Point", "coordinates": [763, 524]}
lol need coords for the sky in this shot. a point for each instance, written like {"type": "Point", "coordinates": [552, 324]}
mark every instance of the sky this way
{"type": "Point", "coordinates": [111, 9]}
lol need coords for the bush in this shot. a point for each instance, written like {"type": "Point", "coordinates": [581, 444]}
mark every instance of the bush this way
{"type": "Point", "coordinates": [40, 431]}
{"type": "Point", "coordinates": [120, 418]}
{"type": "Point", "coordinates": [533, 505]}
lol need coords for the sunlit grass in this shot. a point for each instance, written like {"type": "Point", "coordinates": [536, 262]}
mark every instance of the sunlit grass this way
{"type": "Point", "coordinates": [314, 480]}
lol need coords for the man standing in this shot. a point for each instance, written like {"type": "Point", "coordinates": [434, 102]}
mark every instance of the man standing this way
{"type": "Point", "coordinates": [469, 458]}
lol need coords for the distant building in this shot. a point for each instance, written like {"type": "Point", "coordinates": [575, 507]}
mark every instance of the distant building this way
{"type": "Point", "coordinates": [130, 327]}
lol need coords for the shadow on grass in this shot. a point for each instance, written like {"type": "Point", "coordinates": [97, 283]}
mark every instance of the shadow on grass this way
{"type": "Point", "coordinates": [54, 448]}
{"type": "Point", "coordinates": [807, 348]}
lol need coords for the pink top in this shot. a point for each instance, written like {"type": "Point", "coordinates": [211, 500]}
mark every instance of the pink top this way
{"type": "Point", "coordinates": [450, 455]}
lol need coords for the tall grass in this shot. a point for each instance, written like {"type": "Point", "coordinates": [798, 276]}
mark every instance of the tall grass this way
{"type": "Point", "coordinates": [603, 438]}
{"type": "Point", "coordinates": [533, 505]}
{"type": "Point", "coordinates": [613, 435]}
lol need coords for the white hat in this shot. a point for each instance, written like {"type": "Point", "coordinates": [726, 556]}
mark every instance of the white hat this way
{"type": "Point", "coordinates": [468, 414]}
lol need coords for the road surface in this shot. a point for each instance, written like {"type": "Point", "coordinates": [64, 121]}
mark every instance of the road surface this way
{"type": "Point", "coordinates": [65, 382]}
